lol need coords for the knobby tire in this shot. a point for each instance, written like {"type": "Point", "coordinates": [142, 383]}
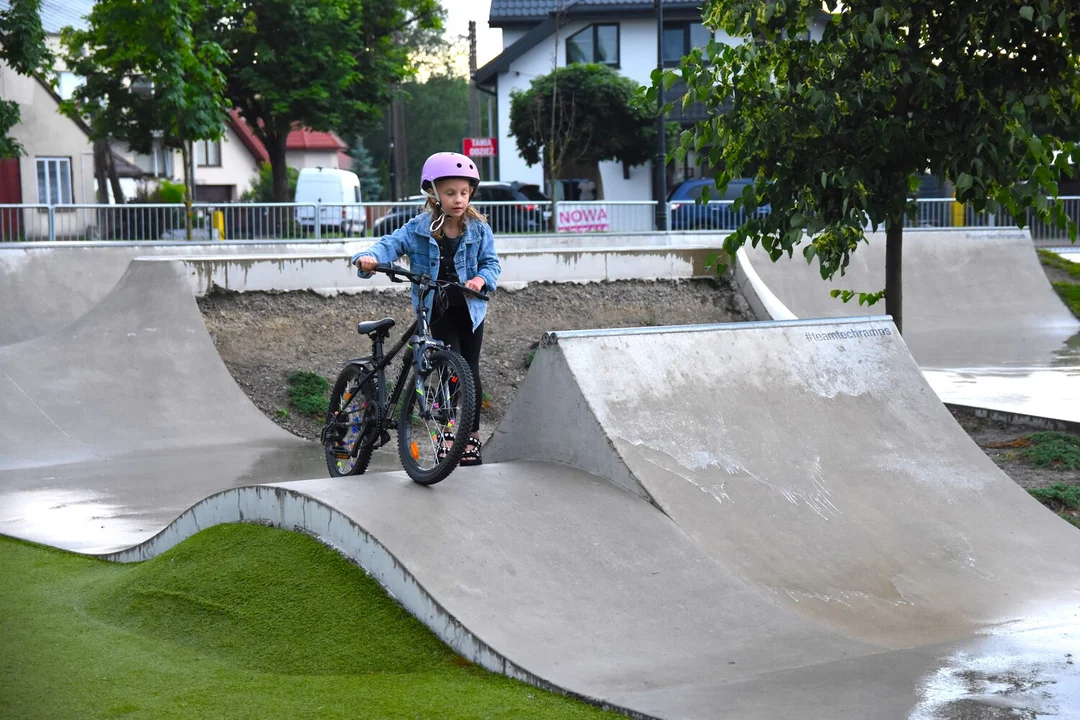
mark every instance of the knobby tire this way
{"type": "Point", "coordinates": [455, 363]}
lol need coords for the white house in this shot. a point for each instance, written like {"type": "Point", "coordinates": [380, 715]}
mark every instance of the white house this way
{"type": "Point", "coordinates": [621, 34]}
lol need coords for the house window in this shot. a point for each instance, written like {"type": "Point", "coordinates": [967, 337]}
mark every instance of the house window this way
{"type": "Point", "coordinates": [594, 44]}
{"type": "Point", "coordinates": [67, 83]}
{"type": "Point", "coordinates": [208, 153]}
{"type": "Point", "coordinates": [158, 164]}
{"type": "Point", "coordinates": [54, 181]}
{"type": "Point", "coordinates": [681, 38]}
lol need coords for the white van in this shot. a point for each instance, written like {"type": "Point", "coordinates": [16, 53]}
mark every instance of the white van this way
{"type": "Point", "coordinates": [337, 192]}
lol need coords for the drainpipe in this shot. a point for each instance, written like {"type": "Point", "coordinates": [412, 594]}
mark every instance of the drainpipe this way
{"type": "Point", "coordinates": [661, 129]}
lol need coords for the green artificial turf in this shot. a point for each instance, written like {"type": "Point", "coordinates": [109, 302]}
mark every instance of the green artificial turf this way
{"type": "Point", "coordinates": [239, 621]}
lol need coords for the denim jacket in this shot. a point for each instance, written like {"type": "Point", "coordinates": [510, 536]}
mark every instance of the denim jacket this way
{"type": "Point", "coordinates": [475, 256]}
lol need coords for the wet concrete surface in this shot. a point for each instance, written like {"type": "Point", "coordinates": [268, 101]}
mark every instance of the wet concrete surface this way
{"type": "Point", "coordinates": [107, 505]}
{"type": "Point", "coordinates": [801, 529]}
{"type": "Point", "coordinates": [980, 316]}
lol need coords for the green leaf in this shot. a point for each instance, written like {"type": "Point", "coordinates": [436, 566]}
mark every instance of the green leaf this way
{"type": "Point", "coordinates": [1027, 12]}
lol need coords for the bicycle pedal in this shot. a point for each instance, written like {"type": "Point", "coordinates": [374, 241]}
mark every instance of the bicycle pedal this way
{"type": "Point", "coordinates": [340, 452]}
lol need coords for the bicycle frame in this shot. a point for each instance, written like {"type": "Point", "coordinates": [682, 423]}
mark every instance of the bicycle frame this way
{"type": "Point", "coordinates": [418, 336]}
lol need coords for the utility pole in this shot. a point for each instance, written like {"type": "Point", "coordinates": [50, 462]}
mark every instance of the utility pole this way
{"type": "Point", "coordinates": [661, 149]}
{"type": "Point", "coordinates": [399, 155]}
{"type": "Point", "coordinates": [491, 133]}
{"type": "Point", "coordinates": [475, 129]}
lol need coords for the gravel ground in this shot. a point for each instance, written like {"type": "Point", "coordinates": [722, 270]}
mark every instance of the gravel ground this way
{"type": "Point", "coordinates": [263, 338]}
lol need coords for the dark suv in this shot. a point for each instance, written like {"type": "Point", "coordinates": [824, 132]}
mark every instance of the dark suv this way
{"type": "Point", "coordinates": [688, 214]}
{"type": "Point", "coordinates": [530, 215]}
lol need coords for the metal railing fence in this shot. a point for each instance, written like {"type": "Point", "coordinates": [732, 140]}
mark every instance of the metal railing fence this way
{"type": "Point", "coordinates": [308, 222]}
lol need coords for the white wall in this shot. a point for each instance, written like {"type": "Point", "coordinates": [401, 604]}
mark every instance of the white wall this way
{"type": "Point", "coordinates": [238, 167]}
{"type": "Point", "coordinates": [44, 132]}
{"type": "Point", "coordinates": [301, 159]}
{"type": "Point", "coordinates": [511, 36]}
{"type": "Point", "coordinates": [637, 58]}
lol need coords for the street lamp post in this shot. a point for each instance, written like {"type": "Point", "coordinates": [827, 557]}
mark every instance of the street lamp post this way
{"type": "Point", "coordinates": [661, 139]}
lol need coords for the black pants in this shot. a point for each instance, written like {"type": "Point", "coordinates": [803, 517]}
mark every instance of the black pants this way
{"type": "Point", "coordinates": [454, 327]}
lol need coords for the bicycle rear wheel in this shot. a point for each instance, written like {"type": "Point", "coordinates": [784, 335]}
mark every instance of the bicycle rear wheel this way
{"type": "Point", "coordinates": [436, 418]}
{"type": "Point", "coordinates": [355, 407]}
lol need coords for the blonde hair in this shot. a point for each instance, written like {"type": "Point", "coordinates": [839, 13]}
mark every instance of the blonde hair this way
{"type": "Point", "coordinates": [471, 213]}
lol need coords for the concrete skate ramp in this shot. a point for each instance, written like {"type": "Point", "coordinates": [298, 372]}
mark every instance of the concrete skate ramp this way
{"type": "Point", "coordinates": [562, 579]}
{"type": "Point", "coordinates": [49, 286]}
{"type": "Point", "coordinates": [137, 375]}
{"type": "Point", "coordinates": [812, 461]}
{"type": "Point", "coordinates": [979, 314]}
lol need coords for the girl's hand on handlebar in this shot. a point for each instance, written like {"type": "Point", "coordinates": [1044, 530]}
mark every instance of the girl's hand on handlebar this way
{"type": "Point", "coordinates": [366, 263]}
{"type": "Point", "coordinates": [476, 284]}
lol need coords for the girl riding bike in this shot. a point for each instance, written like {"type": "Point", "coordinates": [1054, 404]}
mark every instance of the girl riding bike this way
{"type": "Point", "coordinates": [451, 241]}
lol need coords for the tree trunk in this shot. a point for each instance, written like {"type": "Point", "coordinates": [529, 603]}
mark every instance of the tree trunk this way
{"type": "Point", "coordinates": [100, 148]}
{"type": "Point", "coordinates": [894, 272]}
{"type": "Point", "coordinates": [186, 156]}
{"type": "Point", "coordinates": [114, 178]}
{"type": "Point", "coordinates": [551, 184]}
{"type": "Point", "coordinates": [276, 149]}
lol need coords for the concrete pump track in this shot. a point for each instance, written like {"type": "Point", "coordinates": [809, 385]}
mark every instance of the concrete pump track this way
{"type": "Point", "coordinates": [755, 520]}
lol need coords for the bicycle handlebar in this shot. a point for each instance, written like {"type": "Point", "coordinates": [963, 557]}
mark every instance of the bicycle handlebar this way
{"type": "Point", "coordinates": [394, 271]}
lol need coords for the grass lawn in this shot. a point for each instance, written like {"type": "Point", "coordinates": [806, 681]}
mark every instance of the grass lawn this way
{"type": "Point", "coordinates": [239, 621]}
{"type": "Point", "coordinates": [1068, 290]}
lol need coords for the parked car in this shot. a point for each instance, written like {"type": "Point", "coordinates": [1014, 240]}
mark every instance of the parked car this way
{"type": "Point", "coordinates": [398, 216]}
{"type": "Point", "coordinates": [532, 214]}
{"type": "Point", "coordinates": [338, 194]}
{"type": "Point", "coordinates": [688, 214]}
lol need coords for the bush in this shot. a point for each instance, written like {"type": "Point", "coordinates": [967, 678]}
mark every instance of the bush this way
{"type": "Point", "coordinates": [262, 185]}
{"type": "Point", "coordinates": [309, 393]}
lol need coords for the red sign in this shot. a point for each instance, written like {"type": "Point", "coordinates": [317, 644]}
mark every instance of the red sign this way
{"type": "Point", "coordinates": [481, 147]}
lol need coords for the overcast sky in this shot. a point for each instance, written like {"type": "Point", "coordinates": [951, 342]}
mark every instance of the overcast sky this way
{"type": "Point", "coordinates": [458, 15]}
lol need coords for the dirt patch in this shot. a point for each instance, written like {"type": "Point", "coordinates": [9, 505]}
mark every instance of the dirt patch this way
{"type": "Point", "coordinates": [1004, 443]}
{"type": "Point", "coordinates": [263, 338]}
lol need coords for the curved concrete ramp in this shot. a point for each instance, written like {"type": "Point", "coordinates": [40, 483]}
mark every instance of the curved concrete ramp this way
{"type": "Point", "coordinates": [811, 460]}
{"type": "Point", "coordinates": [562, 579]}
{"type": "Point", "coordinates": [128, 414]}
{"type": "Point", "coordinates": [53, 284]}
{"type": "Point", "coordinates": [980, 316]}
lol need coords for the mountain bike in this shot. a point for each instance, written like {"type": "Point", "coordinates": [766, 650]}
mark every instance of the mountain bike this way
{"type": "Point", "coordinates": [431, 404]}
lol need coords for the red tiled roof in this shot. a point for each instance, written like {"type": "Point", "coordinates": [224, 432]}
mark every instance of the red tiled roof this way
{"type": "Point", "coordinates": [252, 143]}
{"type": "Point", "coordinates": [299, 140]}
{"type": "Point", "coordinates": [304, 139]}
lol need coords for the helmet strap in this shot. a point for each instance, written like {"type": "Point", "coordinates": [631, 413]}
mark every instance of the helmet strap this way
{"type": "Point", "coordinates": [436, 225]}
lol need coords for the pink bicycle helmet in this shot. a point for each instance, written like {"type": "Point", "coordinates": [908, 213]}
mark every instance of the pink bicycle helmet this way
{"type": "Point", "coordinates": [448, 165]}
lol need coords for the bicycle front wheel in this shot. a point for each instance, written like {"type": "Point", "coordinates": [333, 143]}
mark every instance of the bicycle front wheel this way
{"type": "Point", "coordinates": [436, 418]}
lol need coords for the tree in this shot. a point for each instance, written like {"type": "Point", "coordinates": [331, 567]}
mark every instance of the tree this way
{"type": "Point", "coordinates": [323, 64]}
{"type": "Point", "coordinates": [22, 48]}
{"type": "Point", "coordinates": [436, 120]}
{"type": "Point", "coordinates": [837, 131]}
{"type": "Point", "coordinates": [148, 78]}
{"type": "Point", "coordinates": [587, 112]}
{"type": "Point", "coordinates": [262, 185]}
{"type": "Point", "coordinates": [371, 186]}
